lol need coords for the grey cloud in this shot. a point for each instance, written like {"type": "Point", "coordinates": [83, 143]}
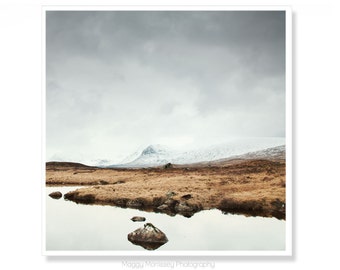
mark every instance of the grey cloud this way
{"type": "Point", "coordinates": [120, 79]}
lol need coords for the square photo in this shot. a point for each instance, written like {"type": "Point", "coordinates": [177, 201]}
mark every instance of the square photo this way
{"type": "Point", "coordinates": [167, 131]}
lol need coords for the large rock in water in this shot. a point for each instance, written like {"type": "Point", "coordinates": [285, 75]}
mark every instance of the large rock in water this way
{"type": "Point", "coordinates": [149, 237]}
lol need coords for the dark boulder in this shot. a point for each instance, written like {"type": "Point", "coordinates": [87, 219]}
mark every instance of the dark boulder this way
{"type": "Point", "coordinates": [121, 202]}
{"type": "Point", "coordinates": [56, 195]}
{"type": "Point", "coordinates": [136, 203]}
{"type": "Point", "coordinates": [171, 203]}
{"type": "Point", "coordinates": [103, 182]}
{"type": "Point", "coordinates": [170, 194]}
{"type": "Point", "coordinates": [187, 210]}
{"type": "Point", "coordinates": [137, 218]}
{"type": "Point", "coordinates": [186, 196]}
{"type": "Point", "coordinates": [168, 166]}
{"type": "Point", "coordinates": [148, 237]}
{"type": "Point", "coordinates": [168, 205]}
{"type": "Point", "coordinates": [163, 207]}
{"type": "Point", "coordinates": [184, 207]}
{"type": "Point", "coordinates": [75, 196]}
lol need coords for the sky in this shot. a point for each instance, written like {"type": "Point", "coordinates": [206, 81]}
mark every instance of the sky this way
{"type": "Point", "coordinates": [118, 81]}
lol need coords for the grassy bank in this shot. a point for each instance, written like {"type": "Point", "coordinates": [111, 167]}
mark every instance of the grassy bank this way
{"type": "Point", "coordinates": [251, 187]}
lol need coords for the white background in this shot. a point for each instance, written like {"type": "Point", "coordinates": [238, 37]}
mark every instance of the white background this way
{"type": "Point", "coordinates": [315, 123]}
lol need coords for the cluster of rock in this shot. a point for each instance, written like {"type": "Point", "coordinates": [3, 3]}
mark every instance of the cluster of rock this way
{"type": "Point", "coordinates": [172, 206]}
{"type": "Point", "coordinates": [168, 204]}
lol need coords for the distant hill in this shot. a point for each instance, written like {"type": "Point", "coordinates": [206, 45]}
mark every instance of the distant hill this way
{"type": "Point", "coordinates": [273, 154]}
{"type": "Point", "coordinates": [66, 165]}
{"type": "Point", "coordinates": [157, 155]}
{"type": "Point", "coordinates": [277, 153]}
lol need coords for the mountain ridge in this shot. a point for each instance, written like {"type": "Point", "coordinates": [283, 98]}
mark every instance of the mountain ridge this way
{"type": "Point", "coordinates": [156, 155]}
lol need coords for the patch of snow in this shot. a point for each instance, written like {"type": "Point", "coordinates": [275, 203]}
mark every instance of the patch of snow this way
{"type": "Point", "coordinates": [154, 155]}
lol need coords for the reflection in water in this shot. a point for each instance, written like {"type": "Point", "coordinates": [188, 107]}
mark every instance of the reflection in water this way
{"type": "Point", "coordinates": [71, 226]}
{"type": "Point", "coordinates": [147, 245]}
{"type": "Point", "coordinates": [149, 237]}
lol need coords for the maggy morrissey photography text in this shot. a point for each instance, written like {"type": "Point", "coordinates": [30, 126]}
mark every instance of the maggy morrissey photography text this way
{"type": "Point", "coordinates": [168, 264]}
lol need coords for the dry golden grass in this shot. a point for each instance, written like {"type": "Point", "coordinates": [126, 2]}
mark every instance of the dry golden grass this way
{"type": "Point", "coordinates": [240, 186]}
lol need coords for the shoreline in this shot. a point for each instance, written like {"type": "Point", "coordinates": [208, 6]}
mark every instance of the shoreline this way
{"type": "Point", "coordinates": [248, 187]}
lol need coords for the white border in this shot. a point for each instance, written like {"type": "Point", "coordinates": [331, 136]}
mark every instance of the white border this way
{"type": "Point", "coordinates": [289, 132]}
{"type": "Point", "coordinates": [289, 144]}
{"type": "Point", "coordinates": [43, 132]}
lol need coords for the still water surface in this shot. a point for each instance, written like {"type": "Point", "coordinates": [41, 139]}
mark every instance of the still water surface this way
{"type": "Point", "coordinates": [71, 226]}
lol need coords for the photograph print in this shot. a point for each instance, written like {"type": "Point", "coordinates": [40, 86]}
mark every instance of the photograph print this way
{"type": "Point", "coordinates": [167, 131]}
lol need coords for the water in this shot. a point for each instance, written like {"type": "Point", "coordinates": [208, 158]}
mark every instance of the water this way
{"type": "Point", "coordinates": [71, 226]}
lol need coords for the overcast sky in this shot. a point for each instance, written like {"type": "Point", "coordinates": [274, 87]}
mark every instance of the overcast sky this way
{"type": "Point", "coordinates": [117, 81]}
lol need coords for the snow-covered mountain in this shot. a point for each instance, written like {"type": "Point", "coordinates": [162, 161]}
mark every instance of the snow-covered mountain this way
{"type": "Point", "coordinates": [277, 152]}
{"type": "Point", "coordinates": [98, 162]}
{"type": "Point", "coordinates": [154, 155]}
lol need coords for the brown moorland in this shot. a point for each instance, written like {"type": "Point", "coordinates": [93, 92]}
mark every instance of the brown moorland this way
{"type": "Point", "coordinates": [253, 187]}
